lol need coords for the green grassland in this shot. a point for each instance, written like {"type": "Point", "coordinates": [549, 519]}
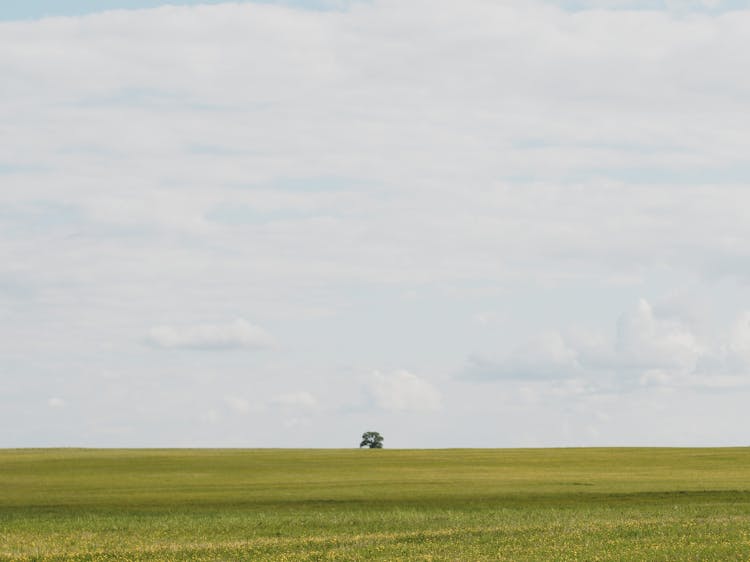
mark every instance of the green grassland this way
{"type": "Point", "coordinates": [542, 504]}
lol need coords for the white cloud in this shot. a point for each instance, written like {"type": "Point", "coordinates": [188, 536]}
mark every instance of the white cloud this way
{"type": "Point", "coordinates": [296, 400]}
{"type": "Point", "coordinates": [235, 335]}
{"type": "Point", "coordinates": [238, 404]}
{"type": "Point", "coordinates": [646, 341]}
{"type": "Point", "coordinates": [647, 349]}
{"type": "Point", "coordinates": [402, 391]}
{"type": "Point", "coordinates": [56, 402]}
{"type": "Point", "coordinates": [484, 318]}
{"type": "Point", "coordinates": [210, 417]}
{"type": "Point", "coordinates": [300, 402]}
{"type": "Point", "coordinates": [738, 346]}
{"type": "Point", "coordinates": [547, 356]}
{"type": "Point", "coordinates": [679, 6]}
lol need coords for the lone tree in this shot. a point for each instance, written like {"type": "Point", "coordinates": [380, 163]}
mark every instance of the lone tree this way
{"type": "Point", "coordinates": [371, 439]}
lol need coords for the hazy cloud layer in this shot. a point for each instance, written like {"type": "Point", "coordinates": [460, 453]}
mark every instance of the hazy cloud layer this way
{"type": "Point", "coordinates": [381, 185]}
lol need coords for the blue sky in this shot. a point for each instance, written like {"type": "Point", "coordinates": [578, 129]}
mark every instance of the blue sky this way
{"type": "Point", "coordinates": [456, 223]}
{"type": "Point", "coordinates": [34, 9]}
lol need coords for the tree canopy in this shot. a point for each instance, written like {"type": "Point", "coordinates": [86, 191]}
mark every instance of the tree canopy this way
{"type": "Point", "coordinates": [372, 439]}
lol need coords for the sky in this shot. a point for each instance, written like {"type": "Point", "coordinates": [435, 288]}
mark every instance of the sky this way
{"type": "Point", "coordinates": [460, 224]}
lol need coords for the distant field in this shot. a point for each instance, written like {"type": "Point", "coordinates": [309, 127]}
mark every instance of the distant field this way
{"type": "Point", "coordinates": [546, 504]}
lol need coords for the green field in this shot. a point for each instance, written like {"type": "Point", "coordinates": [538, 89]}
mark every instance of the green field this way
{"type": "Point", "coordinates": [486, 504]}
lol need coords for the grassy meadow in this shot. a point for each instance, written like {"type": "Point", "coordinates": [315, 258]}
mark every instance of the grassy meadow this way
{"type": "Point", "coordinates": [487, 504]}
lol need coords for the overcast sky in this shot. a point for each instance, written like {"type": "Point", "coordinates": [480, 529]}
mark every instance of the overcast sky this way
{"type": "Point", "coordinates": [464, 224]}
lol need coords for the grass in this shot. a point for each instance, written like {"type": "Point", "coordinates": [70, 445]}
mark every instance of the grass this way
{"type": "Point", "coordinates": [543, 504]}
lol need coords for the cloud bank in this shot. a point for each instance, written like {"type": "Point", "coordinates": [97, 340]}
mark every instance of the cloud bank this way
{"type": "Point", "coordinates": [647, 349]}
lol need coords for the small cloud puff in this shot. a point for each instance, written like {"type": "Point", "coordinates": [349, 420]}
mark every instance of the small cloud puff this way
{"type": "Point", "coordinates": [237, 404]}
{"type": "Point", "coordinates": [402, 391]}
{"type": "Point", "coordinates": [56, 402]}
{"type": "Point", "coordinates": [301, 400]}
{"type": "Point", "coordinates": [239, 334]}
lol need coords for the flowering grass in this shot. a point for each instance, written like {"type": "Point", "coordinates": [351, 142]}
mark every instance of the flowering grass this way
{"type": "Point", "coordinates": [543, 504]}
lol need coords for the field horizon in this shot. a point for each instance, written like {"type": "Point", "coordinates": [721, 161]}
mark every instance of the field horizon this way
{"type": "Point", "coordinates": [499, 448]}
{"type": "Point", "coordinates": [630, 503]}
